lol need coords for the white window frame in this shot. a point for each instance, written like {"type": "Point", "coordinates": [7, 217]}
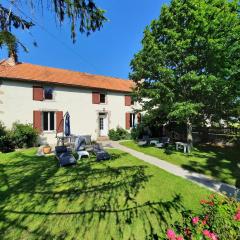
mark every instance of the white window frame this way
{"type": "Point", "coordinates": [133, 119]}
{"type": "Point", "coordinates": [54, 130]}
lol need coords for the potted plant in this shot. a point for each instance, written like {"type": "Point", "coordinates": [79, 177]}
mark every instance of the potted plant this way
{"type": "Point", "coordinates": [46, 149]}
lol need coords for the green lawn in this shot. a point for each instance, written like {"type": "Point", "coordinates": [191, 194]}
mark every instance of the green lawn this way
{"type": "Point", "coordinates": [124, 198]}
{"type": "Point", "coordinates": [220, 163]}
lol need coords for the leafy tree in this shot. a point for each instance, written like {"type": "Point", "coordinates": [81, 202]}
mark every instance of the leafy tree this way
{"type": "Point", "coordinates": [83, 14]}
{"type": "Point", "coordinates": [8, 20]}
{"type": "Point", "coordinates": [188, 66]}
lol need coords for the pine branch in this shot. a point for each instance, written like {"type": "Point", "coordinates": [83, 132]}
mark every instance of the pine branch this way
{"type": "Point", "coordinates": [84, 16]}
{"type": "Point", "coordinates": [8, 20]}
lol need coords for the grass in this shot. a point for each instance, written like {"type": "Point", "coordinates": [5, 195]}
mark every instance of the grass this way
{"type": "Point", "coordinates": [220, 163]}
{"type": "Point", "coordinates": [124, 198]}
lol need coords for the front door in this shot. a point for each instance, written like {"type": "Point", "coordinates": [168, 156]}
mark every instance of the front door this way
{"type": "Point", "coordinates": [103, 124]}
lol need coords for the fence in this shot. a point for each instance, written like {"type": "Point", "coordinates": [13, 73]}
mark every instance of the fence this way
{"type": "Point", "coordinates": [218, 131]}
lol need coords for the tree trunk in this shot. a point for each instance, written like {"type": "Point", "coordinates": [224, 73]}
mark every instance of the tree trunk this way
{"type": "Point", "coordinates": [189, 134]}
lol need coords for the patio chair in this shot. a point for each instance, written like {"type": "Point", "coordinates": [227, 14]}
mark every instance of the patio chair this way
{"type": "Point", "coordinates": [80, 147]}
{"type": "Point", "coordinates": [144, 141]}
{"type": "Point", "coordinates": [80, 143]}
{"type": "Point", "coordinates": [100, 153]}
{"type": "Point", "coordinates": [88, 143]}
{"type": "Point", "coordinates": [64, 156]}
{"type": "Point", "coordinates": [163, 142]}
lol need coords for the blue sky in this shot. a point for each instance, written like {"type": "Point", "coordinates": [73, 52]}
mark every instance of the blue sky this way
{"type": "Point", "coordinates": [106, 52]}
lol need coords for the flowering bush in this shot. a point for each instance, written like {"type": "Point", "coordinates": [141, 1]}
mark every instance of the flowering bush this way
{"type": "Point", "coordinates": [219, 220]}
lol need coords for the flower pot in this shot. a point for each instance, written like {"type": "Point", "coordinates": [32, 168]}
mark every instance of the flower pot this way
{"type": "Point", "coordinates": [47, 150]}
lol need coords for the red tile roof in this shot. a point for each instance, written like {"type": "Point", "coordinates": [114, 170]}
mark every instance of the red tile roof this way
{"type": "Point", "coordinates": [30, 72]}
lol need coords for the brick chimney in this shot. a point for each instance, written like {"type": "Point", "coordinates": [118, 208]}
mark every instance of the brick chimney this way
{"type": "Point", "coordinates": [13, 58]}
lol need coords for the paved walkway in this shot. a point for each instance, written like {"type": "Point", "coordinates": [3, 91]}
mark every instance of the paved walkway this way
{"type": "Point", "coordinates": [200, 179]}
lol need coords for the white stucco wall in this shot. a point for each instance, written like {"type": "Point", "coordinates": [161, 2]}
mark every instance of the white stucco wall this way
{"type": "Point", "coordinates": [17, 104]}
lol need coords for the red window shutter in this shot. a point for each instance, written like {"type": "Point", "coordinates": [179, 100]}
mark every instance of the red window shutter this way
{"type": "Point", "coordinates": [128, 120]}
{"type": "Point", "coordinates": [95, 97]}
{"type": "Point", "coordinates": [59, 121]}
{"type": "Point", "coordinates": [128, 100]}
{"type": "Point", "coordinates": [37, 120]}
{"type": "Point", "coordinates": [139, 116]}
{"type": "Point", "coordinates": [37, 93]}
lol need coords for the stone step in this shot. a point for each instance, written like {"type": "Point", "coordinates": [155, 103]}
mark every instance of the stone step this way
{"type": "Point", "coordinates": [105, 138]}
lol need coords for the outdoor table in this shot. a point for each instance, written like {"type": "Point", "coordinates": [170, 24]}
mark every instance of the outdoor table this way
{"type": "Point", "coordinates": [61, 139]}
{"type": "Point", "coordinates": [184, 145]}
{"type": "Point", "coordinates": [82, 153]}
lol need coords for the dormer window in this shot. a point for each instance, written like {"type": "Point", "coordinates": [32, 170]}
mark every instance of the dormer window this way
{"type": "Point", "coordinates": [48, 93]}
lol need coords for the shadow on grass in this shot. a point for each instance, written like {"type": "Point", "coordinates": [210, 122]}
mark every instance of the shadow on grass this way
{"type": "Point", "coordinates": [98, 198]}
{"type": "Point", "coordinates": [221, 163]}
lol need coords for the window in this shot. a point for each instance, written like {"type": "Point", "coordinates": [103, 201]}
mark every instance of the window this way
{"type": "Point", "coordinates": [132, 120]}
{"type": "Point", "coordinates": [48, 93]}
{"type": "Point", "coordinates": [48, 121]}
{"type": "Point", "coordinates": [102, 98]}
{"type": "Point", "coordinates": [101, 123]}
{"type": "Point", "coordinates": [132, 101]}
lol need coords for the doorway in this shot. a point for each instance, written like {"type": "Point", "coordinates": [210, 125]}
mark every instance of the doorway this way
{"type": "Point", "coordinates": [103, 124]}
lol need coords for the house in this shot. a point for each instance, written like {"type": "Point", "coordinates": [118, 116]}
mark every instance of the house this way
{"type": "Point", "coordinates": [42, 95]}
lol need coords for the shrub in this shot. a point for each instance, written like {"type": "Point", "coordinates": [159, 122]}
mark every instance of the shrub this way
{"type": "Point", "coordinates": [6, 140]}
{"type": "Point", "coordinates": [118, 134]}
{"type": "Point", "coordinates": [6, 143]}
{"type": "Point", "coordinates": [137, 132]}
{"type": "Point", "coordinates": [220, 219]}
{"type": "Point", "coordinates": [24, 135]}
{"type": "Point", "coordinates": [2, 129]}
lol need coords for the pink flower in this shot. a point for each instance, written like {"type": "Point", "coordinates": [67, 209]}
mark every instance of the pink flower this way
{"type": "Point", "coordinates": [179, 238]}
{"type": "Point", "coordinates": [195, 220]}
{"type": "Point", "coordinates": [210, 235]}
{"type": "Point", "coordinates": [203, 201]}
{"type": "Point", "coordinates": [237, 216]}
{"type": "Point", "coordinates": [187, 232]}
{"type": "Point", "coordinates": [210, 203]}
{"type": "Point", "coordinates": [206, 233]}
{"type": "Point", "coordinates": [213, 236]}
{"type": "Point", "coordinates": [211, 196]}
{"type": "Point", "coordinates": [204, 222]}
{"type": "Point", "coordinates": [171, 234]}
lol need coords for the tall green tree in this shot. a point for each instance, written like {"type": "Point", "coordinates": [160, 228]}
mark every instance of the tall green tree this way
{"type": "Point", "coordinates": [189, 64]}
{"type": "Point", "coordinates": [83, 15]}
